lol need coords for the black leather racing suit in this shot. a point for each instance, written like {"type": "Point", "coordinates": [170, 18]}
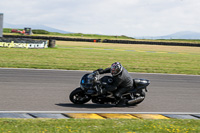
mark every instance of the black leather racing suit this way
{"type": "Point", "coordinates": [122, 83]}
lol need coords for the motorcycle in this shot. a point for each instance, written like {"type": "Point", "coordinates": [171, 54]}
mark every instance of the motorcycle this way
{"type": "Point", "coordinates": [92, 83]}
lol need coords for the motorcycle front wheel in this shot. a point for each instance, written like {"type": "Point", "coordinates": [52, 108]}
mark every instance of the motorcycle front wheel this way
{"type": "Point", "coordinates": [78, 96]}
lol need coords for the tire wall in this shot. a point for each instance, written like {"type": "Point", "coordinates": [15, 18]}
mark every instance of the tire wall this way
{"type": "Point", "coordinates": [106, 41]}
{"type": "Point", "coordinates": [151, 43]}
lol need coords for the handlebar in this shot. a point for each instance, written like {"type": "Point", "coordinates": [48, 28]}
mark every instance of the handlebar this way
{"type": "Point", "coordinates": [96, 73]}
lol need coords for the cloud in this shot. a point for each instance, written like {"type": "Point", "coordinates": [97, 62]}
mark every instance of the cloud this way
{"type": "Point", "coordinates": [116, 17]}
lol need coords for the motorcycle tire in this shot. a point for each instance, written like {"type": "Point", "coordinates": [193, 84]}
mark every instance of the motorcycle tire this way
{"type": "Point", "coordinates": [78, 96]}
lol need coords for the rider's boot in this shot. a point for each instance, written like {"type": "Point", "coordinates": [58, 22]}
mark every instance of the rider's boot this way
{"type": "Point", "coordinates": [101, 91]}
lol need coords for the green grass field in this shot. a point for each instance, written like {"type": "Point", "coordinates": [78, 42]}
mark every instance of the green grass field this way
{"type": "Point", "coordinates": [79, 56]}
{"type": "Point", "coordinates": [98, 126]}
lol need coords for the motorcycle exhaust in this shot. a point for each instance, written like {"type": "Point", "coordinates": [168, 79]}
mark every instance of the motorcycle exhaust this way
{"type": "Point", "coordinates": [136, 100]}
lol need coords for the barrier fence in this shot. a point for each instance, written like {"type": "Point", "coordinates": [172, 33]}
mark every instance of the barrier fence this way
{"type": "Point", "coordinates": [22, 43]}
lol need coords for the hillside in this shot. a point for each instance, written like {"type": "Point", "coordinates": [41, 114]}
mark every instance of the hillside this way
{"type": "Point", "coordinates": [178, 35]}
{"type": "Point", "coordinates": [79, 35]}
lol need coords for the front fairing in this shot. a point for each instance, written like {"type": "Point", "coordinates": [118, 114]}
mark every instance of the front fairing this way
{"type": "Point", "coordinates": [86, 83]}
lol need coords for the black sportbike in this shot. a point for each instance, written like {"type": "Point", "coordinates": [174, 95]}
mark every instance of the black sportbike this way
{"type": "Point", "coordinates": [91, 83]}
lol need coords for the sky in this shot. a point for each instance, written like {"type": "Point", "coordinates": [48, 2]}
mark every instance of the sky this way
{"type": "Point", "coordinates": [109, 17]}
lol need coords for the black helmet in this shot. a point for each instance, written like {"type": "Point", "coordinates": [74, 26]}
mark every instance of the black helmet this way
{"type": "Point", "coordinates": [116, 68]}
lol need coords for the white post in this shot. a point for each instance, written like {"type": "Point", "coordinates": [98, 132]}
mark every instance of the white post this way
{"type": "Point", "coordinates": [1, 24]}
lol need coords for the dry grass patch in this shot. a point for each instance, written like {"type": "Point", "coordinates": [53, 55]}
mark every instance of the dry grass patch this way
{"type": "Point", "coordinates": [156, 48]}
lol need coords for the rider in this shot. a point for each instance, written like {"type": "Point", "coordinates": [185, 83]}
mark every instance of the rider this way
{"type": "Point", "coordinates": [122, 81]}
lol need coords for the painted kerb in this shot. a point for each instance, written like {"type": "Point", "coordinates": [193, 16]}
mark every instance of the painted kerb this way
{"type": "Point", "coordinates": [98, 116]}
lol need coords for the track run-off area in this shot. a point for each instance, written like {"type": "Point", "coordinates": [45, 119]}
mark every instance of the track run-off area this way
{"type": "Point", "coordinates": [34, 92]}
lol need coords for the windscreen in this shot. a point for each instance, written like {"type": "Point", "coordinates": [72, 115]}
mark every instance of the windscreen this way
{"type": "Point", "coordinates": [90, 78]}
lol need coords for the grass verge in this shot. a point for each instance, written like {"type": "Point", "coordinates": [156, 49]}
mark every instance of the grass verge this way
{"type": "Point", "coordinates": [98, 126]}
{"type": "Point", "coordinates": [76, 56]}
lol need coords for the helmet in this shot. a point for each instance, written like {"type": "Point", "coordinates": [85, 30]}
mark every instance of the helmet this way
{"type": "Point", "coordinates": [116, 68]}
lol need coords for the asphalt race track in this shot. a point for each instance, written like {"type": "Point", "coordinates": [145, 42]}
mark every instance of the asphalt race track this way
{"type": "Point", "coordinates": [48, 90]}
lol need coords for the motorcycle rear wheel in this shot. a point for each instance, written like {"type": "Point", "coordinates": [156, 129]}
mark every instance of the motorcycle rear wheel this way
{"type": "Point", "coordinates": [78, 96]}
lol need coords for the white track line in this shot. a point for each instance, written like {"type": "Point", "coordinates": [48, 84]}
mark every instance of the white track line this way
{"type": "Point", "coordinates": [108, 112]}
{"type": "Point", "coordinates": [32, 69]}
